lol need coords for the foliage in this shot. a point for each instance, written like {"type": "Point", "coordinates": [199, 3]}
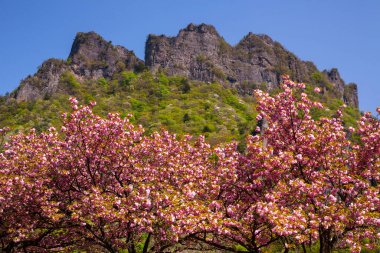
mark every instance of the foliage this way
{"type": "Point", "coordinates": [155, 101]}
{"type": "Point", "coordinates": [158, 101]}
{"type": "Point", "coordinates": [101, 184]}
{"type": "Point", "coordinates": [106, 183]}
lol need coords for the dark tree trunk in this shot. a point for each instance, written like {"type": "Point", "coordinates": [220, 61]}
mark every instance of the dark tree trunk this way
{"type": "Point", "coordinates": [304, 248]}
{"type": "Point", "coordinates": [326, 245]}
{"type": "Point", "coordinates": [8, 248]}
{"type": "Point", "coordinates": [131, 248]}
{"type": "Point", "coordinates": [146, 244]}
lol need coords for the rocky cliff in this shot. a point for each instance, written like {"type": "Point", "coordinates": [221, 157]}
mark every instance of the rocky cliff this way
{"type": "Point", "coordinates": [200, 53]}
{"type": "Point", "coordinates": [91, 57]}
{"type": "Point", "coordinates": [43, 83]}
{"type": "Point", "coordinates": [197, 52]}
{"type": "Point", "coordinates": [347, 92]}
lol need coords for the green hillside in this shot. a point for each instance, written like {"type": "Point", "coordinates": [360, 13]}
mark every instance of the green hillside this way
{"type": "Point", "coordinates": [159, 101]}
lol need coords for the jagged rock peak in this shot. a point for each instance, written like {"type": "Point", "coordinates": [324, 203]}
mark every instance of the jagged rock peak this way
{"type": "Point", "coordinates": [252, 39]}
{"type": "Point", "coordinates": [87, 39]}
{"type": "Point", "coordinates": [333, 77]}
{"type": "Point", "coordinates": [178, 55]}
{"type": "Point", "coordinates": [333, 74]}
{"type": "Point", "coordinates": [350, 96]}
{"type": "Point", "coordinates": [202, 28]}
{"type": "Point", "coordinates": [200, 53]}
{"type": "Point", "coordinates": [347, 92]}
{"type": "Point", "coordinates": [92, 56]}
{"type": "Point", "coordinates": [43, 83]}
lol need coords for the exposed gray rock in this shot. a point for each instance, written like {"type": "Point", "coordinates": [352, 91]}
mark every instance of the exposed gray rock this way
{"type": "Point", "coordinates": [200, 53]}
{"type": "Point", "coordinates": [347, 92]}
{"type": "Point", "coordinates": [91, 57]}
{"type": "Point", "coordinates": [197, 52]}
{"type": "Point", "coordinates": [43, 83]}
{"type": "Point", "coordinates": [350, 96]}
{"type": "Point", "coordinates": [333, 77]}
{"type": "Point", "coordinates": [192, 53]}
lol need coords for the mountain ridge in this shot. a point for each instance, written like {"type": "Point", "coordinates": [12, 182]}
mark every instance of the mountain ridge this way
{"type": "Point", "coordinates": [198, 52]}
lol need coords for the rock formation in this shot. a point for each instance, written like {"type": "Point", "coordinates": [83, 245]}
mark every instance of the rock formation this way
{"type": "Point", "coordinates": [197, 52]}
{"type": "Point", "coordinates": [350, 96]}
{"type": "Point", "coordinates": [200, 53]}
{"type": "Point", "coordinates": [348, 93]}
{"type": "Point", "coordinates": [91, 57]}
{"type": "Point", "coordinates": [43, 83]}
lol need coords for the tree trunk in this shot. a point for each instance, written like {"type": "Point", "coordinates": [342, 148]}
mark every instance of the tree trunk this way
{"type": "Point", "coordinates": [8, 248]}
{"type": "Point", "coordinates": [146, 244]}
{"type": "Point", "coordinates": [325, 243]}
{"type": "Point", "coordinates": [131, 248]}
{"type": "Point", "coordinates": [304, 248]}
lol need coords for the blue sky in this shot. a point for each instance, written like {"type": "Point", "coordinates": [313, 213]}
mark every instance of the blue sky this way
{"type": "Point", "coordinates": [340, 33]}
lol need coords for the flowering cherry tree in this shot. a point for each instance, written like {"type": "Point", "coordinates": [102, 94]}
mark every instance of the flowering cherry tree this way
{"type": "Point", "coordinates": [302, 181]}
{"type": "Point", "coordinates": [120, 187]}
{"type": "Point", "coordinates": [103, 185]}
{"type": "Point", "coordinates": [29, 212]}
{"type": "Point", "coordinates": [325, 186]}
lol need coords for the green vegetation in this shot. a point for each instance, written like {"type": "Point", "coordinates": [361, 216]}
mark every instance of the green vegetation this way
{"type": "Point", "coordinates": [329, 97]}
{"type": "Point", "coordinates": [155, 101]}
{"type": "Point", "coordinates": [159, 101]}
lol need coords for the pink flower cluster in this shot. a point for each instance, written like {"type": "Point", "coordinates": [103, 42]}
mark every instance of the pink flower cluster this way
{"type": "Point", "coordinates": [103, 185]}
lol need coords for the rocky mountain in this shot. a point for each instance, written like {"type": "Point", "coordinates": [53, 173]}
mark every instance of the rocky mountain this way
{"type": "Point", "coordinates": [91, 57]}
{"type": "Point", "coordinates": [198, 52]}
{"type": "Point", "coordinates": [347, 92]}
{"type": "Point", "coordinates": [44, 82]}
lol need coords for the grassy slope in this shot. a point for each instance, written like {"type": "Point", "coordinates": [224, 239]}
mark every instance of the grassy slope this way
{"type": "Point", "coordinates": [158, 101]}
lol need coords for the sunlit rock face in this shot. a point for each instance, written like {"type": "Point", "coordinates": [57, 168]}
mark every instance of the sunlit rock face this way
{"type": "Point", "coordinates": [44, 83]}
{"type": "Point", "coordinates": [197, 52]}
{"type": "Point", "coordinates": [91, 58]}
{"type": "Point", "coordinates": [200, 53]}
